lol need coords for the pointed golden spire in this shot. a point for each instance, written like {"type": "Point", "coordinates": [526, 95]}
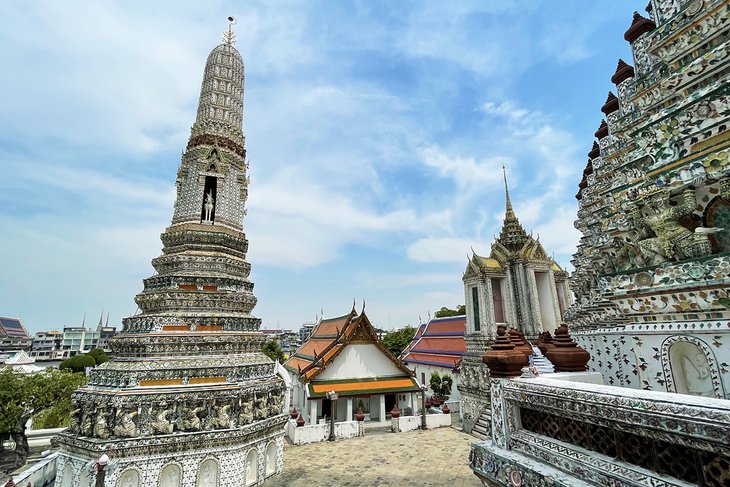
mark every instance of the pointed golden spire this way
{"type": "Point", "coordinates": [229, 37]}
{"type": "Point", "coordinates": [512, 236]}
{"type": "Point", "coordinates": [509, 212]}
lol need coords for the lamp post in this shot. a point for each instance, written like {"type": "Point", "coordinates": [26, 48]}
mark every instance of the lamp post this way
{"type": "Point", "coordinates": [333, 400]}
{"type": "Point", "coordinates": [423, 405]}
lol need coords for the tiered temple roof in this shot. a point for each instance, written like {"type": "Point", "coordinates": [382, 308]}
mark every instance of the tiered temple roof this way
{"type": "Point", "coordinates": [328, 340]}
{"type": "Point", "coordinates": [440, 343]}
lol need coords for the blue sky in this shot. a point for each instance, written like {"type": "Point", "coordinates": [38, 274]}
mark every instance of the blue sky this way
{"type": "Point", "coordinates": [376, 132]}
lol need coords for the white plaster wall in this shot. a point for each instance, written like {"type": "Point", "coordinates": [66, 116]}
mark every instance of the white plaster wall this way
{"type": "Point", "coordinates": [438, 420]}
{"type": "Point", "coordinates": [429, 369]}
{"type": "Point", "coordinates": [360, 360]}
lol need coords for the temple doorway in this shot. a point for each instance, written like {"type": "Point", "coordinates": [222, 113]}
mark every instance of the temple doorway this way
{"type": "Point", "coordinates": [389, 403]}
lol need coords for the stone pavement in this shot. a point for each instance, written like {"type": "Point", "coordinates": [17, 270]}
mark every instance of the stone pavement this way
{"type": "Point", "coordinates": [434, 458]}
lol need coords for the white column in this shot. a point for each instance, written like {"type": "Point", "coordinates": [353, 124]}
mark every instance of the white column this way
{"type": "Point", "coordinates": [348, 417]}
{"type": "Point", "coordinates": [554, 296]}
{"type": "Point", "coordinates": [381, 399]}
{"type": "Point", "coordinates": [313, 411]}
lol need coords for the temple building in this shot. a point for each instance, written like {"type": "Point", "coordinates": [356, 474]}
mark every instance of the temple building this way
{"type": "Point", "coordinates": [651, 281]}
{"type": "Point", "coordinates": [344, 355]}
{"type": "Point", "coordinates": [188, 399]}
{"type": "Point", "coordinates": [652, 268]}
{"type": "Point", "coordinates": [518, 286]}
{"type": "Point", "coordinates": [13, 336]}
{"type": "Point", "coordinates": [438, 346]}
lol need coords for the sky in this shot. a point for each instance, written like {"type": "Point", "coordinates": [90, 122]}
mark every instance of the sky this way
{"type": "Point", "coordinates": [376, 132]}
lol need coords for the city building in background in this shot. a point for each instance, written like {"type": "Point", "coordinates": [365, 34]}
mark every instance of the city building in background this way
{"type": "Point", "coordinates": [48, 345]}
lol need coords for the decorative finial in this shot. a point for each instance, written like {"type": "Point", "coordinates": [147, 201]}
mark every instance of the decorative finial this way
{"type": "Point", "coordinates": [509, 211]}
{"type": "Point", "coordinates": [229, 37]}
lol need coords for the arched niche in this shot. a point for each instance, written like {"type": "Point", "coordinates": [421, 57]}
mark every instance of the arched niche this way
{"type": "Point", "coordinates": [170, 476]}
{"type": "Point", "coordinates": [85, 478]}
{"type": "Point", "coordinates": [129, 478]}
{"type": "Point", "coordinates": [67, 475]}
{"type": "Point", "coordinates": [208, 474]}
{"type": "Point", "coordinates": [252, 463]}
{"type": "Point", "coordinates": [690, 367]}
{"type": "Point", "coordinates": [271, 458]}
{"type": "Point", "coordinates": [717, 214]}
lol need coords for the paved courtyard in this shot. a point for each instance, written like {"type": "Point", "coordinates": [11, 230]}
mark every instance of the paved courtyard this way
{"type": "Point", "coordinates": [435, 457]}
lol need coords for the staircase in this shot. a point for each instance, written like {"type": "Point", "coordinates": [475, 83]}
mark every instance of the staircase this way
{"type": "Point", "coordinates": [541, 362]}
{"type": "Point", "coordinates": [483, 427]}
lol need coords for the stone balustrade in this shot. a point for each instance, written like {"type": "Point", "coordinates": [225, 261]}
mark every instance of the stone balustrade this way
{"type": "Point", "coordinates": [557, 432]}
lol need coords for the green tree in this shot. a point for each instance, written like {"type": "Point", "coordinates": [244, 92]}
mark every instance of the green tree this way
{"type": "Point", "coordinates": [78, 363]}
{"type": "Point", "coordinates": [272, 350]}
{"type": "Point", "coordinates": [441, 385]}
{"type": "Point", "coordinates": [23, 396]}
{"type": "Point", "coordinates": [99, 355]}
{"type": "Point", "coordinates": [444, 311]}
{"type": "Point", "coordinates": [397, 340]}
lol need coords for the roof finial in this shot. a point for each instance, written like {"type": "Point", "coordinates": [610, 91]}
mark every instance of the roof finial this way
{"type": "Point", "coordinates": [509, 212]}
{"type": "Point", "coordinates": [229, 37]}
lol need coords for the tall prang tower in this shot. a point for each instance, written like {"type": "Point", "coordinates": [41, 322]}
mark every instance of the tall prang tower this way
{"type": "Point", "coordinates": [188, 398]}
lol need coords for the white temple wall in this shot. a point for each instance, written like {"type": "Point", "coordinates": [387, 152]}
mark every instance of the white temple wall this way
{"type": "Point", "coordinates": [425, 371]}
{"type": "Point", "coordinates": [673, 357]}
{"type": "Point", "coordinates": [360, 360]}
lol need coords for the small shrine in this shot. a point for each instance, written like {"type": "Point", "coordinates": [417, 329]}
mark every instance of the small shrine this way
{"type": "Point", "coordinates": [344, 355]}
{"type": "Point", "coordinates": [518, 286]}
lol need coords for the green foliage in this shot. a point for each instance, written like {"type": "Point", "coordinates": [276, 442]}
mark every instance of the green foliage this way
{"type": "Point", "coordinates": [99, 355]}
{"type": "Point", "coordinates": [397, 340]}
{"type": "Point", "coordinates": [78, 363]}
{"type": "Point", "coordinates": [272, 350]}
{"type": "Point", "coordinates": [23, 396]}
{"type": "Point", "coordinates": [441, 384]}
{"type": "Point", "coordinates": [444, 311]}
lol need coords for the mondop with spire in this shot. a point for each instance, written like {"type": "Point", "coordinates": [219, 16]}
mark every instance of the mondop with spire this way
{"type": "Point", "coordinates": [518, 286]}
{"type": "Point", "coordinates": [188, 398]}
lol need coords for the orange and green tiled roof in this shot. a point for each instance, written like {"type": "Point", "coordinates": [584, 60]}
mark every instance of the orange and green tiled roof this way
{"type": "Point", "coordinates": [360, 387]}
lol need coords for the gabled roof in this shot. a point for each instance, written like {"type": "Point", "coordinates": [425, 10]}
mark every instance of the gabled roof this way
{"type": "Point", "coordinates": [419, 332]}
{"type": "Point", "coordinates": [329, 338]}
{"type": "Point", "coordinates": [12, 327]}
{"type": "Point", "coordinates": [441, 343]}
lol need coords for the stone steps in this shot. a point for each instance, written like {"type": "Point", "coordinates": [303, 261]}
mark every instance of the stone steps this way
{"type": "Point", "coordinates": [540, 361]}
{"type": "Point", "coordinates": [483, 426]}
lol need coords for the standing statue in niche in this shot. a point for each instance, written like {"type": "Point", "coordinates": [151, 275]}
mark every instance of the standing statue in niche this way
{"type": "Point", "coordinates": [209, 205]}
{"type": "Point", "coordinates": [697, 375]}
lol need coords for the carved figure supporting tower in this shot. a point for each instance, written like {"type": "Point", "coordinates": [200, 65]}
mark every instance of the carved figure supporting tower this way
{"type": "Point", "coordinates": [188, 398]}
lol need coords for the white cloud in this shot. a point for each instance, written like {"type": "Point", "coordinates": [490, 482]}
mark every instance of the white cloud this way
{"type": "Point", "coordinates": [440, 249]}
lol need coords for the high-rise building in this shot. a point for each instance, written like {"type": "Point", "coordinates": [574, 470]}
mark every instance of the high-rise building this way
{"type": "Point", "coordinates": [188, 398]}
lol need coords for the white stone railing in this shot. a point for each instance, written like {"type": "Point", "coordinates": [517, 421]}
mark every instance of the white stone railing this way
{"type": "Point", "coordinates": [313, 433]}
{"type": "Point", "coordinates": [603, 435]}
{"type": "Point", "coordinates": [410, 423]}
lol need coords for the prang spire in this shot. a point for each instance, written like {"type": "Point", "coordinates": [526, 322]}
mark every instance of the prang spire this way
{"type": "Point", "coordinates": [512, 236]}
{"type": "Point", "coordinates": [509, 212]}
